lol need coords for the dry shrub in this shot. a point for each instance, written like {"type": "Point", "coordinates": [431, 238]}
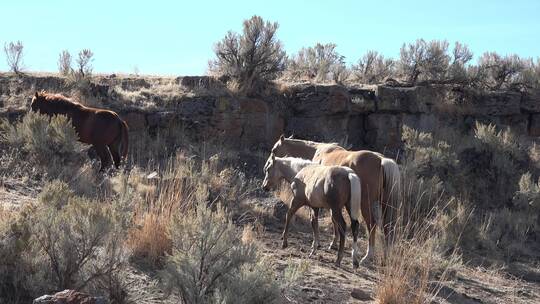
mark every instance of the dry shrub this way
{"type": "Point", "coordinates": [373, 68]}
{"type": "Point", "coordinates": [64, 63]}
{"type": "Point", "coordinates": [253, 57]}
{"type": "Point", "coordinates": [210, 263]}
{"type": "Point", "coordinates": [320, 63]}
{"type": "Point", "coordinates": [160, 94]}
{"type": "Point", "coordinates": [514, 229]}
{"type": "Point", "coordinates": [424, 251]}
{"type": "Point", "coordinates": [14, 56]}
{"type": "Point", "coordinates": [14, 263]}
{"type": "Point", "coordinates": [41, 135]}
{"type": "Point", "coordinates": [484, 171]}
{"type": "Point", "coordinates": [78, 237]}
{"type": "Point", "coordinates": [65, 241]}
{"type": "Point", "coordinates": [51, 143]}
{"type": "Point", "coordinates": [294, 272]}
{"type": "Point", "coordinates": [182, 183]}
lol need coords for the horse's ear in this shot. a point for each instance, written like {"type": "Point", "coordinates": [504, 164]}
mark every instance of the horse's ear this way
{"type": "Point", "coordinates": [36, 95]}
{"type": "Point", "coordinates": [281, 137]}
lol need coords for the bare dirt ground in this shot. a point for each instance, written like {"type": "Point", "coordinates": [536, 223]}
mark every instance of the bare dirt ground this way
{"type": "Point", "coordinates": [323, 282]}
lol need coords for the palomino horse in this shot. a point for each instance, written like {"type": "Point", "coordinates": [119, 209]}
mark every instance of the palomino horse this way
{"type": "Point", "coordinates": [101, 128]}
{"type": "Point", "coordinates": [379, 175]}
{"type": "Point", "coordinates": [318, 186]}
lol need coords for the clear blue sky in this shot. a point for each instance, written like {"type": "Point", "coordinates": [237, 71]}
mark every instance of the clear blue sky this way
{"type": "Point", "coordinates": [176, 37]}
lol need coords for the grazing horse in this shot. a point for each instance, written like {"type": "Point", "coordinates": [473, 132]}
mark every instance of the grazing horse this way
{"type": "Point", "coordinates": [318, 186]}
{"type": "Point", "coordinates": [379, 175]}
{"type": "Point", "coordinates": [101, 128]}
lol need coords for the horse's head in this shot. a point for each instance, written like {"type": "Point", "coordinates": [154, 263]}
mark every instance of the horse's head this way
{"type": "Point", "coordinates": [37, 102]}
{"type": "Point", "coordinates": [281, 148]}
{"type": "Point", "coordinates": [271, 174]}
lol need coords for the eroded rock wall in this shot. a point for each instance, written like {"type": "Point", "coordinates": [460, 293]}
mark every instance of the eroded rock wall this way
{"type": "Point", "coordinates": [363, 117]}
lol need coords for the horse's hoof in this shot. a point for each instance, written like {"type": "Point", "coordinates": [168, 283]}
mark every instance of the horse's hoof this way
{"type": "Point", "coordinates": [337, 264]}
{"type": "Point", "coordinates": [355, 264]}
{"type": "Point", "coordinates": [284, 245]}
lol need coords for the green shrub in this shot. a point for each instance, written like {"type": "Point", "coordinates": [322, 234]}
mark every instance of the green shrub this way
{"type": "Point", "coordinates": [43, 137]}
{"type": "Point", "coordinates": [72, 234]}
{"type": "Point", "coordinates": [64, 241]}
{"type": "Point", "coordinates": [49, 144]}
{"type": "Point", "coordinates": [320, 63]}
{"type": "Point", "coordinates": [210, 263]}
{"type": "Point", "coordinates": [485, 172]}
{"type": "Point", "coordinates": [15, 264]}
{"type": "Point", "coordinates": [252, 57]}
{"type": "Point", "coordinates": [373, 68]}
{"type": "Point", "coordinates": [432, 156]}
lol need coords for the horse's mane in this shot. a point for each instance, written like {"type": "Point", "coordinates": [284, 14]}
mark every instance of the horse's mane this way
{"type": "Point", "coordinates": [298, 163]}
{"type": "Point", "coordinates": [312, 143]}
{"type": "Point", "coordinates": [59, 101]}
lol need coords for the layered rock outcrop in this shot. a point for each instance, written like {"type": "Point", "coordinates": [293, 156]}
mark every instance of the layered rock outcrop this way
{"type": "Point", "coordinates": [361, 117]}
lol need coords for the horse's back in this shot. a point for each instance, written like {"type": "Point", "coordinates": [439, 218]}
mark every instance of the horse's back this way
{"type": "Point", "coordinates": [321, 184]}
{"type": "Point", "coordinates": [366, 164]}
{"type": "Point", "coordinates": [101, 126]}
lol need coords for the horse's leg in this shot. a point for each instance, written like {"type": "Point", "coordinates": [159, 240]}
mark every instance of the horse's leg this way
{"type": "Point", "coordinates": [104, 156]}
{"type": "Point", "coordinates": [295, 205]}
{"type": "Point", "coordinates": [115, 152]}
{"type": "Point", "coordinates": [342, 226]}
{"type": "Point", "coordinates": [355, 225]}
{"type": "Point", "coordinates": [333, 245]}
{"type": "Point", "coordinates": [315, 228]}
{"type": "Point", "coordinates": [371, 243]}
{"type": "Point", "coordinates": [369, 218]}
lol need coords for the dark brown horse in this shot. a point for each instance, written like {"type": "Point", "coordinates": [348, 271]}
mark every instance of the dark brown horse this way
{"type": "Point", "coordinates": [101, 128]}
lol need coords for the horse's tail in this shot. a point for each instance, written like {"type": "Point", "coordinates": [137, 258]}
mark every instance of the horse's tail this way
{"type": "Point", "coordinates": [391, 186]}
{"type": "Point", "coordinates": [356, 195]}
{"type": "Point", "coordinates": [125, 140]}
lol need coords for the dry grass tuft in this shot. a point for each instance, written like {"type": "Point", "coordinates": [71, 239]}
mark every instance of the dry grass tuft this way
{"type": "Point", "coordinates": [421, 258]}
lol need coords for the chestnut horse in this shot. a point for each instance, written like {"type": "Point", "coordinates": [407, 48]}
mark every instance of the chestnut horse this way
{"type": "Point", "coordinates": [101, 128]}
{"type": "Point", "coordinates": [380, 178]}
{"type": "Point", "coordinates": [318, 186]}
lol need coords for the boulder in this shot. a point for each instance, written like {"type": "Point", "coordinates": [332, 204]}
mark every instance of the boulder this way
{"type": "Point", "coordinates": [69, 297]}
{"type": "Point", "coordinates": [406, 99]}
{"type": "Point", "coordinates": [530, 101]}
{"type": "Point", "coordinates": [384, 131]}
{"type": "Point", "coordinates": [422, 122]}
{"type": "Point", "coordinates": [362, 100]}
{"type": "Point", "coordinates": [479, 103]}
{"type": "Point", "coordinates": [534, 125]}
{"type": "Point", "coordinates": [318, 100]}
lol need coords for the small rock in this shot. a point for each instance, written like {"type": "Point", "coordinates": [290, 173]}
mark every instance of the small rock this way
{"type": "Point", "coordinates": [69, 297]}
{"type": "Point", "coordinates": [361, 295]}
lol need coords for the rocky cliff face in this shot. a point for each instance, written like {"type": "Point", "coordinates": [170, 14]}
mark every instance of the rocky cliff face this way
{"type": "Point", "coordinates": [363, 117]}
